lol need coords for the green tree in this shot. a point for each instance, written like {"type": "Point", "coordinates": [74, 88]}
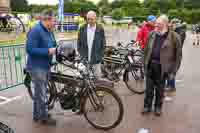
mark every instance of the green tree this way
{"type": "Point", "coordinates": [174, 13]}
{"type": "Point", "coordinates": [40, 8]}
{"type": "Point", "coordinates": [152, 6]}
{"type": "Point", "coordinates": [19, 5]}
{"type": "Point", "coordinates": [117, 4]}
{"type": "Point", "coordinates": [195, 15]}
{"type": "Point", "coordinates": [103, 3]}
{"type": "Point", "coordinates": [104, 7]}
{"type": "Point", "coordinates": [117, 14]}
{"type": "Point", "coordinates": [132, 8]}
{"type": "Point", "coordinates": [79, 6]}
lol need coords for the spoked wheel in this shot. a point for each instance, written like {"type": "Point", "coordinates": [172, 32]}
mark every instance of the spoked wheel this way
{"type": "Point", "coordinates": [134, 80]}
{"type": "Point", "coordinates": [28, 84]}
{"type": "Point", "coordinates": [103, 109]}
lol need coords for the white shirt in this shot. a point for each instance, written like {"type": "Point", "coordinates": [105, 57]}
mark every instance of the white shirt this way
{"type": "Point", "coordinates": [90, 38]}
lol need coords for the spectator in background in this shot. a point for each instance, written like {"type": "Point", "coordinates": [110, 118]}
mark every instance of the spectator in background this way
{"type": "Point", "coordinates": [143, 33]}
{"type": "Point", "coordinates": [31, 23]}
{"type": "Point", "coordinates": [130, 23]}
{"type": "Point", "coordinates": [92, 42]}
{"type": "Point", "coordinates": [196, 36]}
{"type": "Point", "coordinates": [180, 29]}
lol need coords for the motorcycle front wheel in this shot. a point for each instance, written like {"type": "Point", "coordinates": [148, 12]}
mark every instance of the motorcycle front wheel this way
{"type": "Point", "coordinates": [103, 109]}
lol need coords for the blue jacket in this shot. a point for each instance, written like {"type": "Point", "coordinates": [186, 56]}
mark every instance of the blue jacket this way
{"type": "Point", "coordinates": [39, 40]}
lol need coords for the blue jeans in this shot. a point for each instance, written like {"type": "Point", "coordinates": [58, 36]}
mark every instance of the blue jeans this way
{"type": "Point", "coordinates": [171, 83]}
{"type": "Point", "coordinates": [40, 100]}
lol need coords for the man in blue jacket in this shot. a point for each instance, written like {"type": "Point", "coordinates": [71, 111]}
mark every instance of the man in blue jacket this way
{"type": "Point", "coordinates": [40, 49]}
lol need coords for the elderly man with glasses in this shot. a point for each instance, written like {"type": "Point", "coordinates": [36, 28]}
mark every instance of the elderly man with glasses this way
{"type": "Point", "coordinates": [92, 42]}
{"type": "Point", "coordinates": [162, 58]}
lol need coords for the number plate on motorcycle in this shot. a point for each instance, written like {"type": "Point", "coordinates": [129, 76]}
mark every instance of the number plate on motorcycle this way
{"type": "Point", "coordinates": [130, 59]}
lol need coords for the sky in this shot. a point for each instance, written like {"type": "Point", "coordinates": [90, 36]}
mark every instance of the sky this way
{"type": "Point", "coordinates": [52, 2]}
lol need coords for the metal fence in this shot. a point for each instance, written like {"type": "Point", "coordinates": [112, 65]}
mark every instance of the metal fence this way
{"type": "Point", "coordinates": [12, 62]}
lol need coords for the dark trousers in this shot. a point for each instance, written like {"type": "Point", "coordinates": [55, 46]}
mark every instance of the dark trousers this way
{"type": "Point", "coordinates": [154, 86]}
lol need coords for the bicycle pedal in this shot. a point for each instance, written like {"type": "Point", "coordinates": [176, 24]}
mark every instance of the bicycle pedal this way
{"type": "Point", "coordinates": [74, 110]}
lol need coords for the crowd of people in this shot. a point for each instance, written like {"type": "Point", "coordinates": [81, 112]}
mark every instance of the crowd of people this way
{"type": "Point", "coordinates": [196, 33]}
{"type": "Point", "coordinates": [162, 47]}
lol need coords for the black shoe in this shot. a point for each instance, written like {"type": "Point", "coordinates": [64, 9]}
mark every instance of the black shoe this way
{"type": "Point", "coordinates": [158, 112]}
{"type": "Point", "coordinates": [146, 111]}
{"type": "Point", "coordinates": [49, 115]}
{"type": "Point", "coordinates": [37, 119]}
{"type": "Point", "coordinates": [49, 121]}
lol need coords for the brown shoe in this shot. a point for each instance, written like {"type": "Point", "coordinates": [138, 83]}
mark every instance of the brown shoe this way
{"type": "Point", "coordinates": [158, 112]}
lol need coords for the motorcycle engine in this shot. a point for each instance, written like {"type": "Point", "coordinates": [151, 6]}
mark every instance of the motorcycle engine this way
{"type": "Point", "coordinates": [67, 98]}
{"type": "Point", "coordinates": [111, 70]}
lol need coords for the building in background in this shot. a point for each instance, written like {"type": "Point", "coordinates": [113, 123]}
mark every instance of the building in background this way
{"type": "Point", "coordinates": [4, 6]}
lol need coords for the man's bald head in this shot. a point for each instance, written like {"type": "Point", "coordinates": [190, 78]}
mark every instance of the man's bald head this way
{"type": "Point", "coordinates": [91, 14]}
{"type": "Point", "coordinates": [91, 18]}
{"type": "Point", "coordinates": [163, 19]}
{"type": "Point", "coordinates": [162, 23]}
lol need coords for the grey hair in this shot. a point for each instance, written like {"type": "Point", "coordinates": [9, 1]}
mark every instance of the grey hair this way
{"type": "Point", "coordinates": [91, 13]}
{"type": "Point", "coordinates": [46, 14]}
{"type": "Point", "coordinates": [164, 18]}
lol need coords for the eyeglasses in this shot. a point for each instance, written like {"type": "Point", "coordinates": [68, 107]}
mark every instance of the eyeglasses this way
{"type": "Point", "coordinates": [158, 24]}
{"type": "Point", "coordinates": [90, 19]}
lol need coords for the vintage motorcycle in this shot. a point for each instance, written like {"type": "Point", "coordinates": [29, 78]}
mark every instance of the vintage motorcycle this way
{"type": "Point", "coordinates": [82, 93]}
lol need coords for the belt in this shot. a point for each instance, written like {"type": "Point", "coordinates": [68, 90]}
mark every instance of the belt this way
{"type": "Point", "coordinates": [155, 61]}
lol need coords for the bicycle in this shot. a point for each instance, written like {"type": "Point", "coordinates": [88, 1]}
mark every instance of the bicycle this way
{"type": "Point", "coordinates": [83, 93]}
{"type": "Point", "coordinates": [127, 61]}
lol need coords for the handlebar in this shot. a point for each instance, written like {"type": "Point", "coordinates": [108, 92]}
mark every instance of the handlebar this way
{"type": "Point", "coordinates": [129, 45]}
{"type": "Point", "coordinates": [132, 46]}
{"type": "Point", "coordinates": [75, 62]}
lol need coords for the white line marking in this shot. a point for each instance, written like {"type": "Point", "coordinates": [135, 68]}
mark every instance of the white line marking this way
{"type": "Point", "coordinates": [10, 100]}
{"type": "Point", "coordinates": [178, 81]}
{"type": "Point", "coordinates": [4, 98]}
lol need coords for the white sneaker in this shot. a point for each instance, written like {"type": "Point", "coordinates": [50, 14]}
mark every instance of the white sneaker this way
{"type": "Point", "coordinates": [168, 99]}
{"type": "Point", "coordinates": [143, 130]}
{"type": "Point", "coordinates": [167, 89]}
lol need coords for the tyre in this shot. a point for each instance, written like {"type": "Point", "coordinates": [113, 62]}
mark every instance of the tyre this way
{"type": "Point", "coordinates": [103, 109]}
{"type": "Point", "coordinates": [134, 79]}
{"type": "Point", "coordinates": [27, 83]}
{"type": "Point", "coordinates": [5, 128]}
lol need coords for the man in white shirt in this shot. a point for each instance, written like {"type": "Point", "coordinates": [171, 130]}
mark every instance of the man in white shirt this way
{"type": "Point", "coordinates": [91, 42]}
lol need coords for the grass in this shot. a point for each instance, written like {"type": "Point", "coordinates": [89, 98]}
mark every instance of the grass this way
{"type": "Point", "coordinates": [67, 35]}
{"type": "Point", "coordinates": [22, 38]}
{"type": "Point", "coordinates": [18, 40]}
